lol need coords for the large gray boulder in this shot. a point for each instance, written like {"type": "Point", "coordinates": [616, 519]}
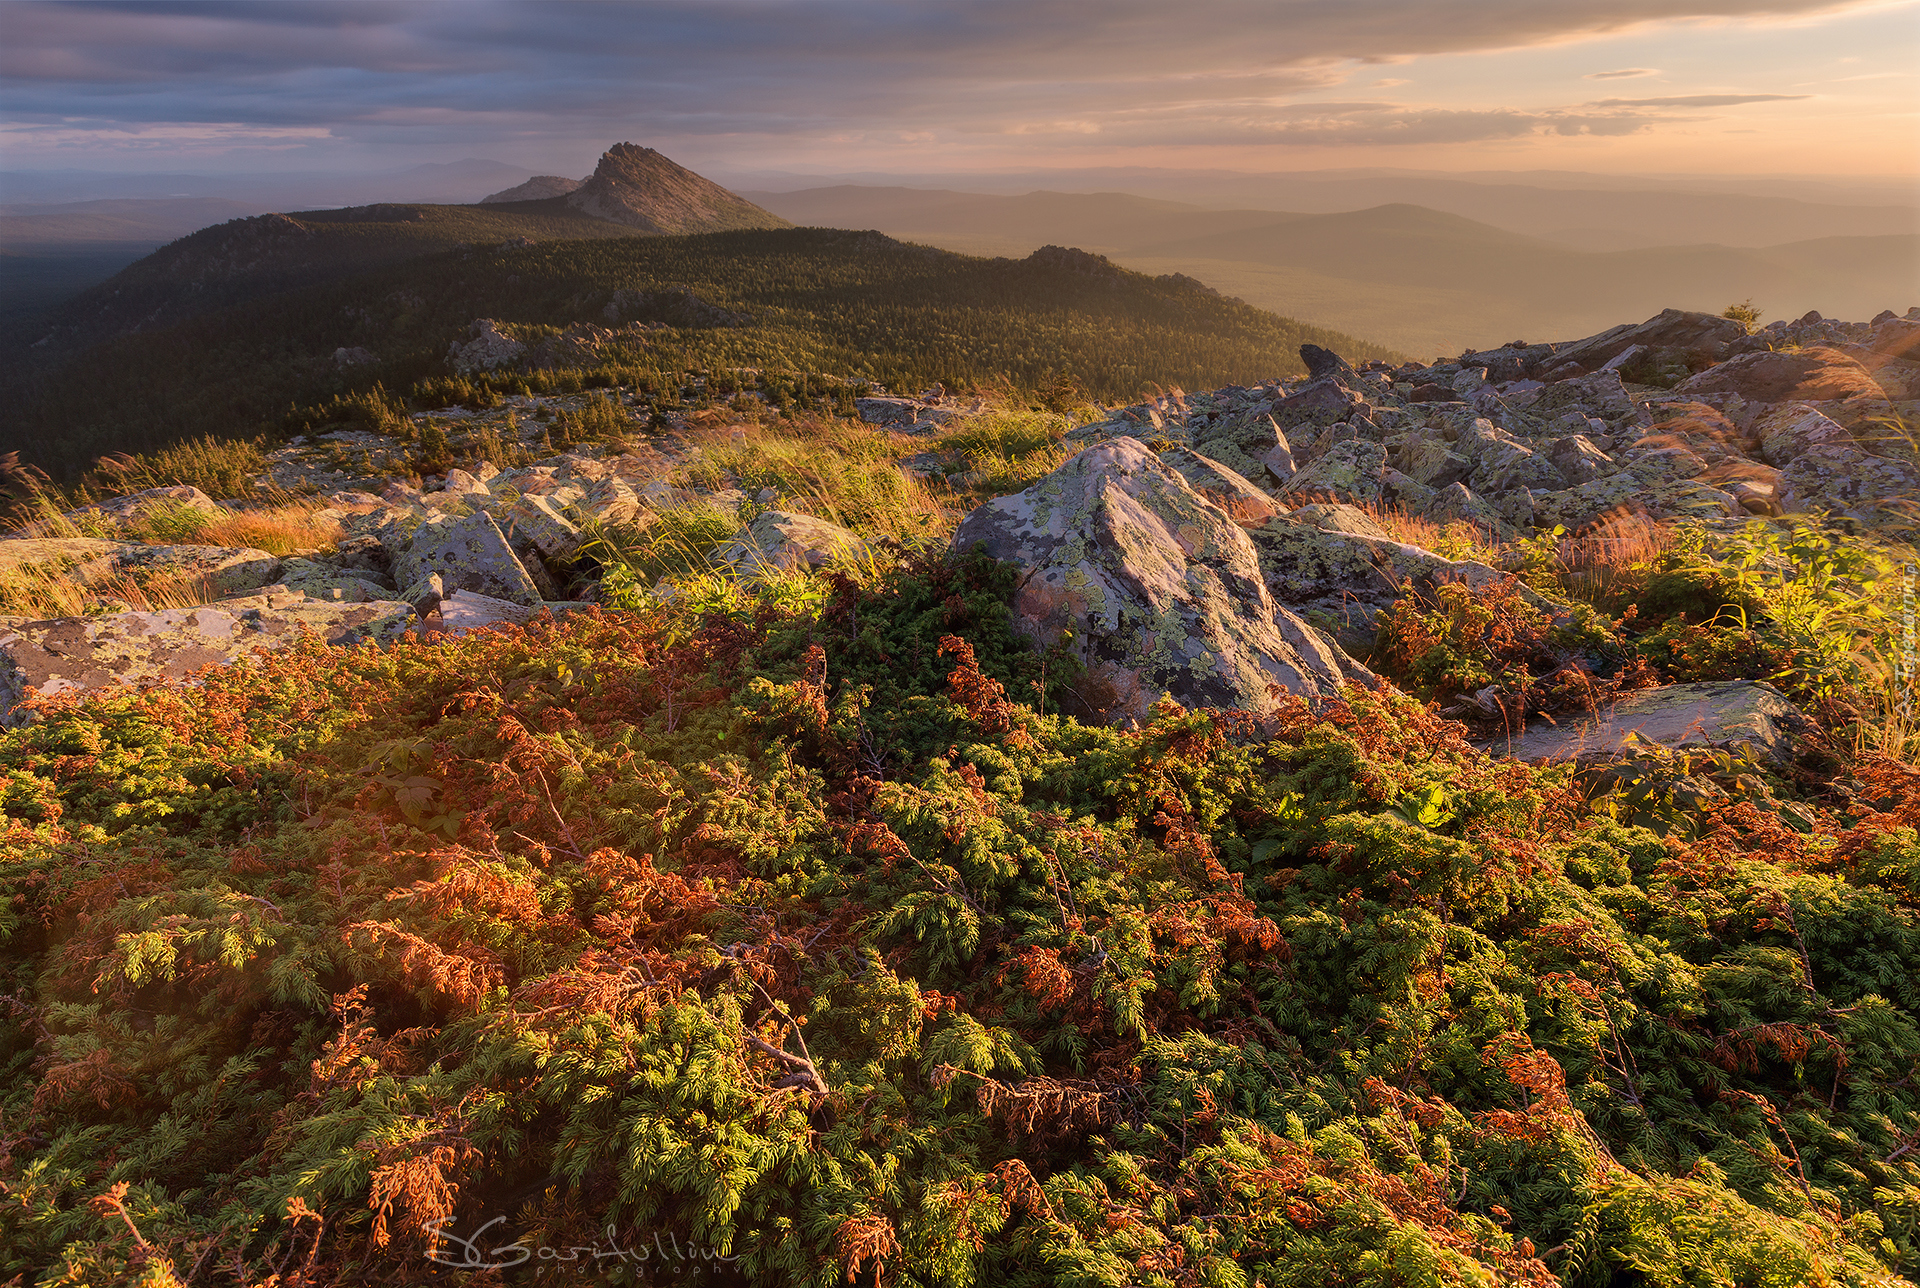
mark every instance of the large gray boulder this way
{"type": "Point", "coordinates": [139, 505]}
{"type": "Point", "coordinates": [1697, 338]}
{"type": "Point", "coordinates": [317, 580]}
{"type": "Point", "coordinates": [1227, 488]}
{"type": "Point", "coordinates": [71, 654]}
{"type": "Point", "coordinates": [470, 553]}
{"type": "Point", "coordinates": [1161, 590]}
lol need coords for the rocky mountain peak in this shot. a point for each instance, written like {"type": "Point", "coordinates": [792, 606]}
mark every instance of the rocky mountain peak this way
{"type": "Point", "coordinates": [641, 188]}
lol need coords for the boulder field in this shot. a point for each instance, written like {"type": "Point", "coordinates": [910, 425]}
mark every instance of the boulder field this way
{"type": "Point", "coordinates": [1208, 547]}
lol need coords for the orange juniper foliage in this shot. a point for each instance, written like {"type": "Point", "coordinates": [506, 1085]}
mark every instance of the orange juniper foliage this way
{"type": "Point", "coordinates": [866, 1241]}
{"type": "Point", "coordinates": [418, 1180]}
{"type": "Point", "coordinates": [981, 696]}
{"type": "Point", "coordinates": [1738, 1051]}
{"type": "Point", "coordinates": [1894, 785]}
{"type": "Point", "coordinates": [1044, 976]}
{"type": "Point", "coordinates": [463, 974]}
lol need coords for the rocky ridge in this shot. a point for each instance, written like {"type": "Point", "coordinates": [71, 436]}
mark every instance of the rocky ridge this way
{"type": "Point", "coordinates": [1209, 547]}
{"type": "Point", "coordinates": [1684, 414]}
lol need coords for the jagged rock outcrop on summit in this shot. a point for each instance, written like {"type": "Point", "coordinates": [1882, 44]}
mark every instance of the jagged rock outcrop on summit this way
{"type": "Point", "coordinates": [642, 189]}
{"type": "Point", "coordinates": [1152, 587]}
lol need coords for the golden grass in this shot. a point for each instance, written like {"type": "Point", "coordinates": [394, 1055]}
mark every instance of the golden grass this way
{"type": "Point", "coordinates": [284, 529]}
{"type": "Point", "coordinates": [284, 526]}
{"type": "Point", "coordinates": [218, 467]}
{"type": "Point", "coordinates": [1608, 563]}
{"type": "Point", "coordinates": [1008, 449]}
{"type": "Point", "coordinates": [1454, 539]}
{"type": "Point", "coordinates": [39, 591]}
{"type": "Point", "coordinates": [842, 471]}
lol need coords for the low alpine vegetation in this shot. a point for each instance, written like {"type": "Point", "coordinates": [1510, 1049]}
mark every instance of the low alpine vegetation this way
{"type": "Point", "coordinates": [799, 934]}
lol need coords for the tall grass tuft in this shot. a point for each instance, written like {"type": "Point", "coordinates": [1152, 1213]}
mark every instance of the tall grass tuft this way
{"type": "Point", "coordinates": [41, 591]}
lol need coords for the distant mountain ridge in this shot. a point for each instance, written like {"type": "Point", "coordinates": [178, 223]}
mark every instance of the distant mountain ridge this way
{"type": "Point", "coordinates": [1407, 275]}
{"type": "Point", "coordinates": [539, 188]}
{"type": "Point", "coordinates": [635, 191]}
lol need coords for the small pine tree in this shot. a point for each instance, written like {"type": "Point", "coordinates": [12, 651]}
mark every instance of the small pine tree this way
{"type": "Point", "coordinates": [1745, 314]}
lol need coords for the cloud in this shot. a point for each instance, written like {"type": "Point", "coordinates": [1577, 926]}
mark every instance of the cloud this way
{"type": "Point", "coordinates": [1625, 73]}
{"type": "Point", "coordinates": [1389, 84]}
{"type": "Point", "coordinates": [553, 82]}
{"type": "Point", "coordinates": [1699, 100]}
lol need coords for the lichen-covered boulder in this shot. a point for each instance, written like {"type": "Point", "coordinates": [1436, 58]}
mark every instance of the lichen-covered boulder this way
{"type": "Point", "coordinates": [470, 553]}
{"type": "Point", "coordinates": [1244, 444]}
{"type": "Point", "coordinates": [1699, 337]}
{"type": "Point", "coordinates": [1333, 517]}
{"type": "Point", "coordinates": [1502, 462]}
{"type": "Point", "coordinates": [1841, 479]}
{"type": "Point", "coordinates": [612, 500]}
{"type": "Point", "coordinates": [1318, 403]}
{"type": "Point", "coordinates": [1645, 489]}
{"type": "Point", "coordinates": [1579, 460]}
{"type": "Point", "coordinates": [82, 653]}
{"type": "Point", "coordinates": [1161, 590]}
{"type": "Point", "coordinates": [1351, 470]}
{"type": "Point", "coordinates": [1427, 458]}
{"type": "Point", "coordinates": [155, 500]}
{"type": "Point", "coordinates": [1600, 396]}
{"type": "Point", "coordinates": [784, 539]}
{"type": "Point", "coordinates": [1793, 428]}
{"type": "Point", "coordinates": [316, 580]}
{"type": "Point", "coordinates": [226, 570]}
{"type": "Point", "coordinates": [84, 558]}
{"type": "Point", "coordinates": [1244, 503]}
{"type": "Point", "coordinates": [464, 611]}
{"type": "Point", "coordinates": [1457, 503]}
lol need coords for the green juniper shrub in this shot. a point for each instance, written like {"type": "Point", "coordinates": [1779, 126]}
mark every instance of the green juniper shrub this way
{"type": "Point", "coordinates": [797, 933]}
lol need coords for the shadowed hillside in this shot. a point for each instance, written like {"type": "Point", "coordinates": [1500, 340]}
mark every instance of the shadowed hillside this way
{"type": "Point", "coordinates": [801, 300]}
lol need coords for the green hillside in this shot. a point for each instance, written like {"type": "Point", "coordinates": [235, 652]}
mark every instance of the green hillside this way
{"type": "Point", "coordinates": [812, 300]}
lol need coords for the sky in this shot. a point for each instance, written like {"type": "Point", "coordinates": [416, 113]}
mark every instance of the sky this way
{"type": "Point", "coordinates": [1806, 87]}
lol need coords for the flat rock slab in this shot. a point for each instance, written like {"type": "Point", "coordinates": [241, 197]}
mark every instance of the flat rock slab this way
{"type": "Point", "coordinates": [1723, 714]}
{"type": "Point", "coordinates": [464, 611]}
{"type": "Point", "coordinates": [71, 654]}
